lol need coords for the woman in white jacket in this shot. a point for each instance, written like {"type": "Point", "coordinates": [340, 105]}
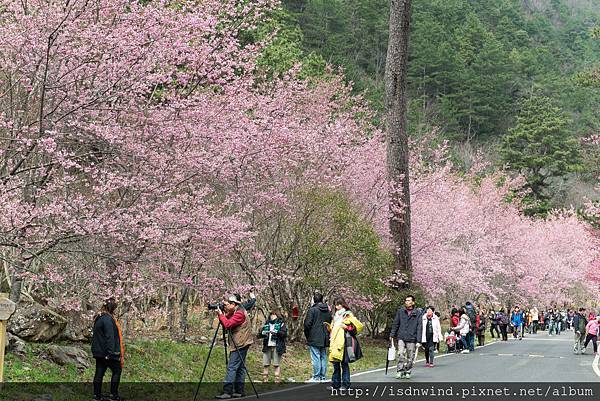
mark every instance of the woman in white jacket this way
{"type": "Point", "coordinates": [464, 326]}
{"type": "Point", "coordinates": [431, 334]}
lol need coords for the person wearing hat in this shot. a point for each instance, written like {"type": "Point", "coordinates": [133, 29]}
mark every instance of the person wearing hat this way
{"type": "Point", "coordinates": [234, 319]}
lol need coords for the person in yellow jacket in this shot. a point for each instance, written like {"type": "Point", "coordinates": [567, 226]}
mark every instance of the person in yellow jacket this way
{"type": "Point", "coordinates": [343, 345]}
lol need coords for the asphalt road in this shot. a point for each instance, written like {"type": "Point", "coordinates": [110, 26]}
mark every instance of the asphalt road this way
{"type": "Point", "coordinates": [536, 360]}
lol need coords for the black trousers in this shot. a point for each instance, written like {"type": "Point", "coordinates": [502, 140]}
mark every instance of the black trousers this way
{"type": "Point", "coordinates": [429, 347]}
{"type": "Point", "coordinates": [503, 331]}
{"type": "Point", "coordinates": [115, 369]}
{"type": "Point", "coordinates": [494, 328]}
{"type": "Point", "coordinates": [594, 340]}
{"type": "Point", "coordinates": [480, 338]}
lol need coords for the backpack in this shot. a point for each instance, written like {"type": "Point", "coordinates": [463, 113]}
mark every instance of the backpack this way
{"type": "Point", "coordinates": [472, 317]}
{"type": "Point", "coordinates": [503, 319]}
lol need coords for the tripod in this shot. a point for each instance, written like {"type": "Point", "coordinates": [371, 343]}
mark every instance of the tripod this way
{"type": "Point", "coordinates": [214, 339]}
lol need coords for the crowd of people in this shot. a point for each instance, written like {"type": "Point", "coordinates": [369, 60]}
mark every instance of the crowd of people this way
{"type": "Point", "coordinates": [331, 331]}
{"type": "Point", "coordinates": [583, 324]}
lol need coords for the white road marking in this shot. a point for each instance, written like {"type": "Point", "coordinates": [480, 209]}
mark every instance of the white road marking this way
{"type": "Point", "coordinates": [419, 360]}
{"type": "Point", "coordinates": [547, 339]}
{"type": "Point", "coordinates": [595, 364]}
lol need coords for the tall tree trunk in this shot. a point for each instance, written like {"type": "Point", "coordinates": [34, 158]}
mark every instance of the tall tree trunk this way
{"type": "Point", "coordinates": [396, 71]}
{"type": "Point", "coordinates": [171, 314]}
{"type": "Point", "coordinates": [183, 314]}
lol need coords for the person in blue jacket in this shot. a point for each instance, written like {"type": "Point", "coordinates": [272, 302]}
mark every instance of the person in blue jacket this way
{"type": "Point", "coordinates": [516, 320]}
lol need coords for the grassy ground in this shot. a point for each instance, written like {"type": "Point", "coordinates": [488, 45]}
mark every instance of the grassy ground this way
{"type": "Point", "coordinates": [159, 361]}
{"type": "Point", "coordinates": [164, 361]}
{"type": "Point", "coordinates": [167, 361]}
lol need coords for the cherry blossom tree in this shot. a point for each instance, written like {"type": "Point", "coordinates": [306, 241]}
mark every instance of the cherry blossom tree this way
{"type": "Point", "coordinates": [469, 240]}
{"type": "Point", "coordinates": [98, 157]}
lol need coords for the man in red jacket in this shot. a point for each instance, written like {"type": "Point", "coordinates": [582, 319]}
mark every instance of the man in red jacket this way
{"type": "Point", "coordinates": [235, 320]}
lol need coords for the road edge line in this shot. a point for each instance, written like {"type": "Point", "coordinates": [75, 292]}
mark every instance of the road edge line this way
{"type": "Point", "coordinates": [419, 360]}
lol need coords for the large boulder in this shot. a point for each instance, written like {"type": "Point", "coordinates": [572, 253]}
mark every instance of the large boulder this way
{"type": "Point", "coordinates": [15, 345]}
{"type": "Point", "coordinates": [69, 355]}
{"type": "Point", "coordinates": [36, 323]}
{"type": "Point", "coordinates": [79, 328]}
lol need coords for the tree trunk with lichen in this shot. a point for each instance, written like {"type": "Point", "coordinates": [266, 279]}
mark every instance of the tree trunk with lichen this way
{"type": "Point", "coordinates": [397, 134]}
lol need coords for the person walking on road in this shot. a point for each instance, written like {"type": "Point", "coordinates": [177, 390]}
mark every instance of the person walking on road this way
{"type": "Point", "coordinates": [579, 327]}
{"type": "Point", "coordinates": [481, 326]}
{"type": "Point", "coordinates": [493, 319]}
{"type": "Point", "coordinates": [570, 317]}
{"type": "Point", "coordinates": [406, 329]}
{"type": "Point", "coordinates": [431, 335]}
{"type": "Point", "coordinates": [535, 318]}
{"type": "Point", "coordinates": [593, 331]}
{"type": "Point", "coordinates": [550, 319]}
{"type": "Point", "coordinates": [503, 323]}
{"type": "Point", "coordinates": [317, 337]}
{"type": "Point", "coordinates": [516, 321]}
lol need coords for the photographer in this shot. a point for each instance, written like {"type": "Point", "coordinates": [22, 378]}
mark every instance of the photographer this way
{"type": "Point", "coordinates": [234, 318]}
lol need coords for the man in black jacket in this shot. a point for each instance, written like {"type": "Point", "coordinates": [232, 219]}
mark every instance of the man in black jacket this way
{"type": "Point", "coordinates": [579, 324]}
{"type": "Point", "coordinates": [317, 336]}
{"type": "Point", "coordinates": [106, 349]}
{"type": "Point", "coordinates": [407, 324]}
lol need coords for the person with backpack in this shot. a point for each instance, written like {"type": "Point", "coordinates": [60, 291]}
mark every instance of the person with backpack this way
{"type": "Point", "coordinates": [317, 337]}
{"type": "Point", "coordinates": [470, 310]}
{"type": "Point", "coordinates": [579, 327]}
{"type": "Point", "coordinates": [108, 350]}
{"type": "Point", "coordinates": [503, 323]}
{"type": "Point", "coordinates": [493, 319]}
{"type": "Point", "coordinates": [516, 321]}
{"type": "Point", "coordinates": [273, 333]}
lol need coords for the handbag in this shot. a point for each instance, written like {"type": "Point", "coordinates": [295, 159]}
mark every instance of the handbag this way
{"type": "Point", "coordinates": [349, 344]}
{"type": "Point", "coordinates": [391, 356]}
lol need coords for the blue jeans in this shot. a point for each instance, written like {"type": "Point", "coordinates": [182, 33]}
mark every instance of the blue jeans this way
{"type": "Point", "coordinates": [471, 341]}
{"type": "Point", "coordinates": [343, 369]}
{"type": "Point", "coordinates": [236, 372]}
{"type": "Point", "coordinates": [463, 340]}
{"type": "Point", "coordinates": [318, 356]}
